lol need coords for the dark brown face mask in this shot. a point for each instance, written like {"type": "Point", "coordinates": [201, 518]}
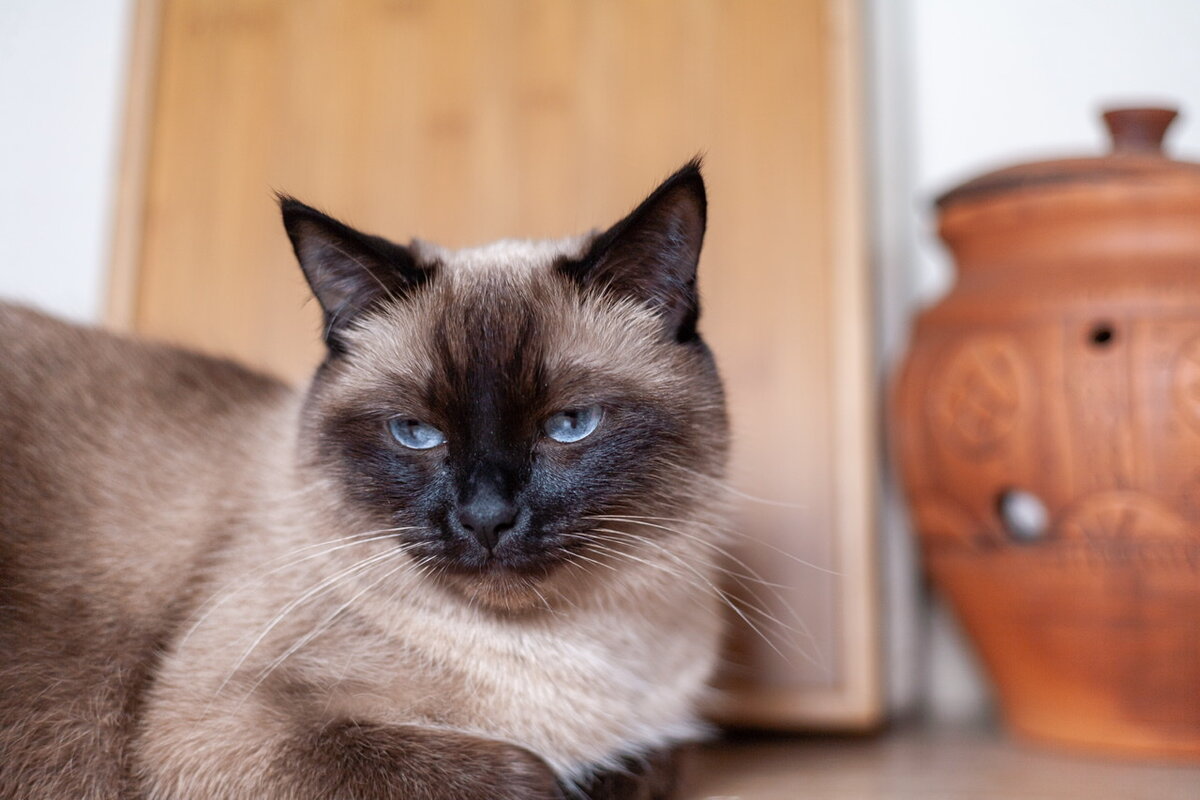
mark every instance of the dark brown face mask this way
{"type": "Point", "coordinates": [507, 456]}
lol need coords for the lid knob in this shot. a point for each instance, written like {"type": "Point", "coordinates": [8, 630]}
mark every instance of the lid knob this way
{"type": "Point", "coordinates": [1139, 130]}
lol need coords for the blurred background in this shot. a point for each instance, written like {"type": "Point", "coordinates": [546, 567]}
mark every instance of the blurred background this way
{"type": "Point", "coordinates": [142, 141]}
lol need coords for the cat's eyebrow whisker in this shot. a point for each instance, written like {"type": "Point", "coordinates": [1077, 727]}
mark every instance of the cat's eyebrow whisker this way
{"type": "Point", "coordinates": [320, 588]}
{"type": "Point", "coordinates": [229, 590]}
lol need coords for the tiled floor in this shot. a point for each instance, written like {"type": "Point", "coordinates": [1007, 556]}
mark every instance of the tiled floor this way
{"type": "Point", "coordinates": [925, 765]}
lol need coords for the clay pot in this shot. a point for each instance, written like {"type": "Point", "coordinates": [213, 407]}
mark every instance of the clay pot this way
{"type": "Point", "coordinates": [1047, 428]}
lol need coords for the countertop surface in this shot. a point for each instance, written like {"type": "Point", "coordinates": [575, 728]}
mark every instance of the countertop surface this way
{"type": "Point", "coordinates": [925, 763]}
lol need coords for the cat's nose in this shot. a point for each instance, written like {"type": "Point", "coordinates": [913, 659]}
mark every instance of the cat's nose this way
{"type": "Point", "coordinates": [488, 516]}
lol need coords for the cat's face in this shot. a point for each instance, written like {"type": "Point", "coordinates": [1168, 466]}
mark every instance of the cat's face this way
{"type": "Point", "coordinates": [493, 403]}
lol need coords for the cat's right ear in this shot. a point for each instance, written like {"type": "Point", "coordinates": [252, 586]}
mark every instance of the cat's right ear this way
{"type": "Point", "coordinates": [349, 272]}
{"type": "Point", "coordinates": [651, 255]}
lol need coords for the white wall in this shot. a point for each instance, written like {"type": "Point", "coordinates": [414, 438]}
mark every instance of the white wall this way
{"type": "Point", "coordinates": [961, 86]}
{"type": "Point", "coordinates": [998, 81]}
{"type": "Point", "coordinates": [62, 74]}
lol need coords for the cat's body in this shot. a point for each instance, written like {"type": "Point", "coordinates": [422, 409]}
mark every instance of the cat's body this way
{"type": "Point", "coordinates": [213, 586]}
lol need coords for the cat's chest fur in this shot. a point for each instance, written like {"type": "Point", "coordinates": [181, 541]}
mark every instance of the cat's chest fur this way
{"type": "Point", "coordinates": [573, 687]}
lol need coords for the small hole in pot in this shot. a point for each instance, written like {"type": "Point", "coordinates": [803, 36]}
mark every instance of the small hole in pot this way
{"type": "Point", "coordinates": [1023, 515]}
{"type": "Point", "coordinates": [1102, 335]}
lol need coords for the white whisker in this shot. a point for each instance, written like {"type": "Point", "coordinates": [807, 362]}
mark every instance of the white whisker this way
{"type": "Point", "coordinates": [325, 624]}
{"type": "Point", "coordinates": [229, 590]}
{"type": "Point", "coordinates": [321, 587]}
{"type": "Point", "coordinates": [728, 532]}
{"type": "Point", "coordinates": [731, 489]}
{"type": "Point", "coordinates": [724, 597]}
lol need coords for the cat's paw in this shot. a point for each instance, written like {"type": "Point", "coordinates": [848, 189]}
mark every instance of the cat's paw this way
{"type": "Point", "coordinates": [382, 762]}
{"type": "Point", "coordinates": [653, 776]}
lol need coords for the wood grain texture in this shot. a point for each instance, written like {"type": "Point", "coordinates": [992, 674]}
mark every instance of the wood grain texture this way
{"type": "Point", "coordinates": [127, 235]}
{"type": "Point", "coordinates": [464, 121]}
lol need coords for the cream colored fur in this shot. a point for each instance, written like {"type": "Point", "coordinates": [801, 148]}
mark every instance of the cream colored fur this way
{"type": "Point", "coordinates": [607, 658]}
{"type": "Point", "coordinates": [249, 561]}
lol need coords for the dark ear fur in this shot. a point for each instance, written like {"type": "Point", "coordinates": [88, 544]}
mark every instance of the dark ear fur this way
{"type": "Point", "coordinates": [651, 255]}
{"type": "Point", "coordinates": [348, 271]}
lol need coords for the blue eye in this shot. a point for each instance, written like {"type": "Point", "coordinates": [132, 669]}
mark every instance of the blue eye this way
{"type": "Point", "coordinates": [414, 434]}
{"type": "Point", "coordinates": [573, 424]}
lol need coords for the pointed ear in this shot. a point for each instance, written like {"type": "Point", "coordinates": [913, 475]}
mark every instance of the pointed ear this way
{"type": "Point", "coordinates": [349, 272]}
{"type": "Point", "coordinates": [651, 255]}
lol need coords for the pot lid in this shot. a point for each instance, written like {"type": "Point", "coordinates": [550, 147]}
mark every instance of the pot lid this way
{"type": "Point", "coordinates": [1137, 152]}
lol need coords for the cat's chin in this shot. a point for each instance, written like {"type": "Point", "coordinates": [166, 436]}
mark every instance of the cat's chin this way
{"type": "Point", "coordinates": [514, 577]}
{"type": "Point", "coordinates": [503, 585]}
{"type": "Point", "coordinates": [499, 589]}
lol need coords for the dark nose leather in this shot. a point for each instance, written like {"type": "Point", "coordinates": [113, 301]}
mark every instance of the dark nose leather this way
{"type": "Point", "coordinates": [487, 516]}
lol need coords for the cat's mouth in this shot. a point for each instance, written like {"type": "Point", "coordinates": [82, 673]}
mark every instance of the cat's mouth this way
{"type": "Point", "coordinates": [513, 564]}
{"type": "Point", "coordinates": [526, 550]}
{"type": "Point", "coordinates": [510, 575]}
{"type": "Point", "coordinates": [502, 584]}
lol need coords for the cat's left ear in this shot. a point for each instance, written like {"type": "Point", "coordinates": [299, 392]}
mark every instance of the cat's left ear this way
{"type": "Point", "coordinates": [349, 272]}
{"type": "Point", "coordinates": [651, 255]}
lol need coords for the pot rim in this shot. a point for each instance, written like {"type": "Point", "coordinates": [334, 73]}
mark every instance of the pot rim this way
{"type": "Point", "coordinates": [1137, 156]}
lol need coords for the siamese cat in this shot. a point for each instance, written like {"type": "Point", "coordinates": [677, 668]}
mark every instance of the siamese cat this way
{"type": "Point", "coordinates": [472, 560]}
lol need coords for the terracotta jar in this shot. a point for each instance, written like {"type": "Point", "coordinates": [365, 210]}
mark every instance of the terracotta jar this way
{"type": "Point", "coordinates": [1047, 428]}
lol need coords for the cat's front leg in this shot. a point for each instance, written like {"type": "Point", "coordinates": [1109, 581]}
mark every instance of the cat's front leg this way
{"type": "Point", "coordinates": [654, 776]}
{"type": "Point", "coordinates": [338, 760]}
{"type": "Point", "coordinates": [354, 760]}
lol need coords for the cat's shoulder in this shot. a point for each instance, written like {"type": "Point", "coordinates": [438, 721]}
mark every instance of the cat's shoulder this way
{"type": "Point", "coordinates": [53, 355]}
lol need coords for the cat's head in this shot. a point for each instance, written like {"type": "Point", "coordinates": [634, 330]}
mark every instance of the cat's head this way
{"type": "Point", "coordinates": [492, 403]}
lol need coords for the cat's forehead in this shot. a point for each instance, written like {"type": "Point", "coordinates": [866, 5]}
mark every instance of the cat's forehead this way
{"type": "Point", "coordinates": [504, 255]}
{"type": "Point", "coordinates": [507, 304]}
